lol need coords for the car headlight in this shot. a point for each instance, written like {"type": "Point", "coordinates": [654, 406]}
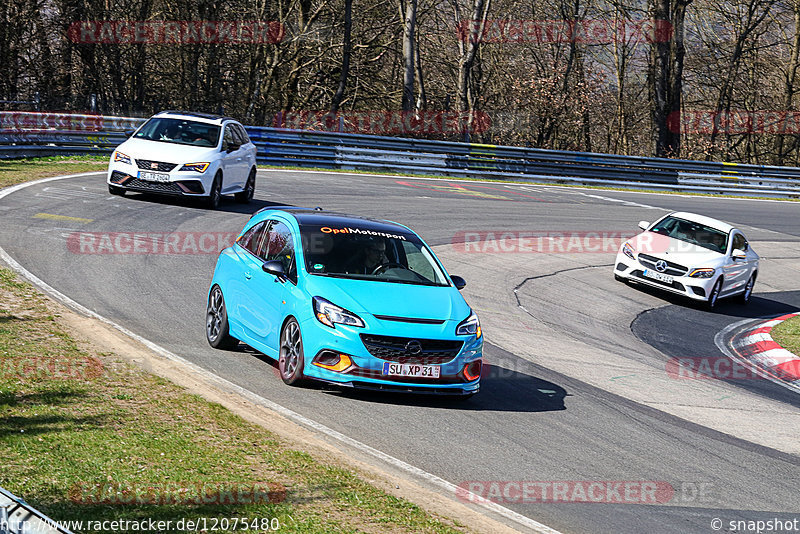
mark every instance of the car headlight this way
{"type": "Point", "coordinates": [470, 326]}
{"type": "Point", "coordinates": [705, 272]}
{"type": "Point", "coordinates": [330, 314]}
{"type": "Point", "coordinates": [198, 167]}
{"type": "Point", "coordinates": [124, 158]}
{"type": "Point", "coordinates": [627, 249]}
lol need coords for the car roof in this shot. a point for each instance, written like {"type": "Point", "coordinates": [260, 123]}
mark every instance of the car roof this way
{"type": "Point", "coordinates": [319, 217]}
{"type": "Point", "coordinates": [204, 117]}
{"type": "Point", "coordinates": [702, 219]}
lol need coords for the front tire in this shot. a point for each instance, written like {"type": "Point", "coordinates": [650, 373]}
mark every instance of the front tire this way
{"type": "Point", "coordinates": [215, 195]}
{"type": "Point", "coordinates": [713, 297]}
{"type": "Point", "coordinates": [290, 356]}
{"type": "Point", "coordinates": [249, 189]}
{"type": "Point", "coordinates": [217, 332]}
{"type": "Point", "coordinates": [744, 298]}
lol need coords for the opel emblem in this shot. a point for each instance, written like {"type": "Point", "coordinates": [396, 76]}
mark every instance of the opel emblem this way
{"type": "Point", "coordinates": [661, 266]}
{"type": "Point", "coordinates": [413, 347]}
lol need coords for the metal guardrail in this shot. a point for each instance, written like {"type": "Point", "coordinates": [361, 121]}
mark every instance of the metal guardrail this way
{"type": "Point", "coordinates": [41, 134]}
{"type": "Point", "coordinates": [18, 517]}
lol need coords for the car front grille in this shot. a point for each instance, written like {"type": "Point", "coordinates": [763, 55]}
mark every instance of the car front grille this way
{"type": "Point", "coordinates": [170, 188]}
{"type": "Point", "coordinates": [393, 349]}
{"type": "Point", "coordinates": [673, 269]}
{"type": "Point", "coordinates": [146, 164]}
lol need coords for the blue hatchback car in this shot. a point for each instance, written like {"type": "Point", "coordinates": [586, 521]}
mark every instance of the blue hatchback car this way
{"type": "Point", "coordinates": [346, 300]}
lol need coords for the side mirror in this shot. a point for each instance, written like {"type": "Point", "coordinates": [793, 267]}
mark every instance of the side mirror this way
{"type": "Point", "coordinates": [644, 225]}
{"type": "Point", "coordinates": [458, 282]}
{"type": "Point", "coordinates": [274, 268]}
{"type": "Point", "coordinates": [739, 254]}
{"type": "Point", "coordinates": [232, 147]}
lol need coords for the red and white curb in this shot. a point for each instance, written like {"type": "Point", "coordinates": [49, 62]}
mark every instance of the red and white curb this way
{"type": "Point", "coordinates": [759, 350]}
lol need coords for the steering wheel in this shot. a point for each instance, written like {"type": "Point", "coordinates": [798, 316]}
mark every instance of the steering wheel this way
{"type": "Point", "coordinates": [388, 265]}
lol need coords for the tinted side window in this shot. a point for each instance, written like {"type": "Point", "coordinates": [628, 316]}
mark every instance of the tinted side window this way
{"type": "Point", "coordinates": [243, 138]}
{"type": "Point", "coordinates": [251, 240]}
{"type": "Point", "coordinates": [228, 138]}
{"type": "Point", "coordinates": [280, 247]}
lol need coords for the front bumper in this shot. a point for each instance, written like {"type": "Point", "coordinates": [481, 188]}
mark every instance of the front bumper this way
{"type": "Point", "coordinates": [366, 371]}
{"type": "Point", "coordinates": [189, 183]}
{"type": "Point", "coordinates": [693, 288]}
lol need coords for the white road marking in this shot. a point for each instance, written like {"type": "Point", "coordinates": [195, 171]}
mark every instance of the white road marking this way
{"type": "Point", "coordinates": [224, 384]}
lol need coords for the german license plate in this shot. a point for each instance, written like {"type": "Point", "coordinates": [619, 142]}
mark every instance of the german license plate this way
{"type": "Point", "coordinates": [411, 369]}
{"type": "Point", "coordinates": [655, 275]}
{"type": "Point", "coordinates": [153, 176]}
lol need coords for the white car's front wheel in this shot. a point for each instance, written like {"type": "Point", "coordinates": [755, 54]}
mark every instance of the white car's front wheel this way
{"type": "Point", "coordinates": [215, 195]}
{"type": "Point", "coordinates": [713, 297]}
{"type": "Point", "coordinates": [744, 298]}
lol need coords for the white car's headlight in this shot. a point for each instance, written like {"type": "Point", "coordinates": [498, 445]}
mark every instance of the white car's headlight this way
{"type": "Point", "coordinates": [704, 272]}
{"type": "Point", "coordinates": [330, 314]}
{"type": "Point", "coordinates": [470, 326]}
{"type": "Point", "coordinates": [124, 158]}
{"type": "Point", "coordinates": [627, 249]}
{"type": "Point", "coordinates": [197, 167]}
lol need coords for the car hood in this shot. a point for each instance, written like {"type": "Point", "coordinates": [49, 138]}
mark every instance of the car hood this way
{"type": "Point", "coordinates": [167, 152]}
{"type": "Point", "coordinates": [674, 250]}
{"type": "Point", "coordinates": [386, 298]}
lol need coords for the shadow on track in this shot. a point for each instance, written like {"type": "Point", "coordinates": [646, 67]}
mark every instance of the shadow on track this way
{"type": "Point", "coordinates": [763, 305]}
{"type": "Point", "coordinates": [504, 388]}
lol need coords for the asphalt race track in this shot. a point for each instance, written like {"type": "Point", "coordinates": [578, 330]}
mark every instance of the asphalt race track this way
{"type": "Point", "coordinates": [576, 388]}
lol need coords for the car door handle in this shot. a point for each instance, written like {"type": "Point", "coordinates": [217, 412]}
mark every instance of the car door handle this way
{"type": "Point", "coordinates": [248, 275]}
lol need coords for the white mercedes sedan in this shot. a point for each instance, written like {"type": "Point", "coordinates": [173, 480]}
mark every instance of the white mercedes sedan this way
{"type": "Point", "coordinates": [692, 255]}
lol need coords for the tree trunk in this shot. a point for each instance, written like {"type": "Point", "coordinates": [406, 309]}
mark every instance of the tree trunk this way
{"type": "Point", "coordinates": [409, 24]}
{"type": "Point", "coordinates": [666, 75]}
{"type": "Point", "coordinates": [348, 26]}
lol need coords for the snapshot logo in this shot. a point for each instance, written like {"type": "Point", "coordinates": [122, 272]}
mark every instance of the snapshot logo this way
{"type": "Point", "coordinates": [176, 32]}
{"type": "Point", "coordinates": [117, 493]}
{"type": "Point", "coordinates": [149, 242]}
{"type": "Point", "coordinates": [582, 491]}
{"type": "Point", "coordinates": [734, 122]}
{"type": "Point", "coordinates": [52, 368]}
{"type": "Point", "coordinates": [598, 31]}
{"type": "Point", "coordinates": [385, 122]}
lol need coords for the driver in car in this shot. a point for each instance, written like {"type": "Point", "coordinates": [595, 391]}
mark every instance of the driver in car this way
{"type": "Point", "coordinates": [369, 258]}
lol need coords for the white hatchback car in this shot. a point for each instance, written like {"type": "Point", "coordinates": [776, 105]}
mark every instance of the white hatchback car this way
{"type": "Point", "coordinates": [186, 154]}
{"type": "Point", "coordinates": [692, 255]}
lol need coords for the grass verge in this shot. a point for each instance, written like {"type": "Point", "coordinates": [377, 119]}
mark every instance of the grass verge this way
{"type": "Point", "coordinates": [87, 436]}
{"type": "Point", "coordinates": [16, 171]}
{"type": "Point", "coordinates": [787, 334]}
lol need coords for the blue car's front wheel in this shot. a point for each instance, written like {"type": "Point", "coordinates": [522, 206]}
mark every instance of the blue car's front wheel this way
{"type": "Point", "coordinates": [290, 358]}
{"type": "Point", "coordinates": [217, 322]}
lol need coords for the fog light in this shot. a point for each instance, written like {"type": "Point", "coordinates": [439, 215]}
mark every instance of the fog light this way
{"type": "Point", "coordinates": [333, 361]}
{"type": "Point", "coordinates": [472, 371]}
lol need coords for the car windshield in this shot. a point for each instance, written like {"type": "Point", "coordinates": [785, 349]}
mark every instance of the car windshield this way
{"type": "Point", "coordinates": [366, 254]}
{"type": "Point", "coordinates": [694, 233]}
{"type": "Point", "coordinates": [179, 131]}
